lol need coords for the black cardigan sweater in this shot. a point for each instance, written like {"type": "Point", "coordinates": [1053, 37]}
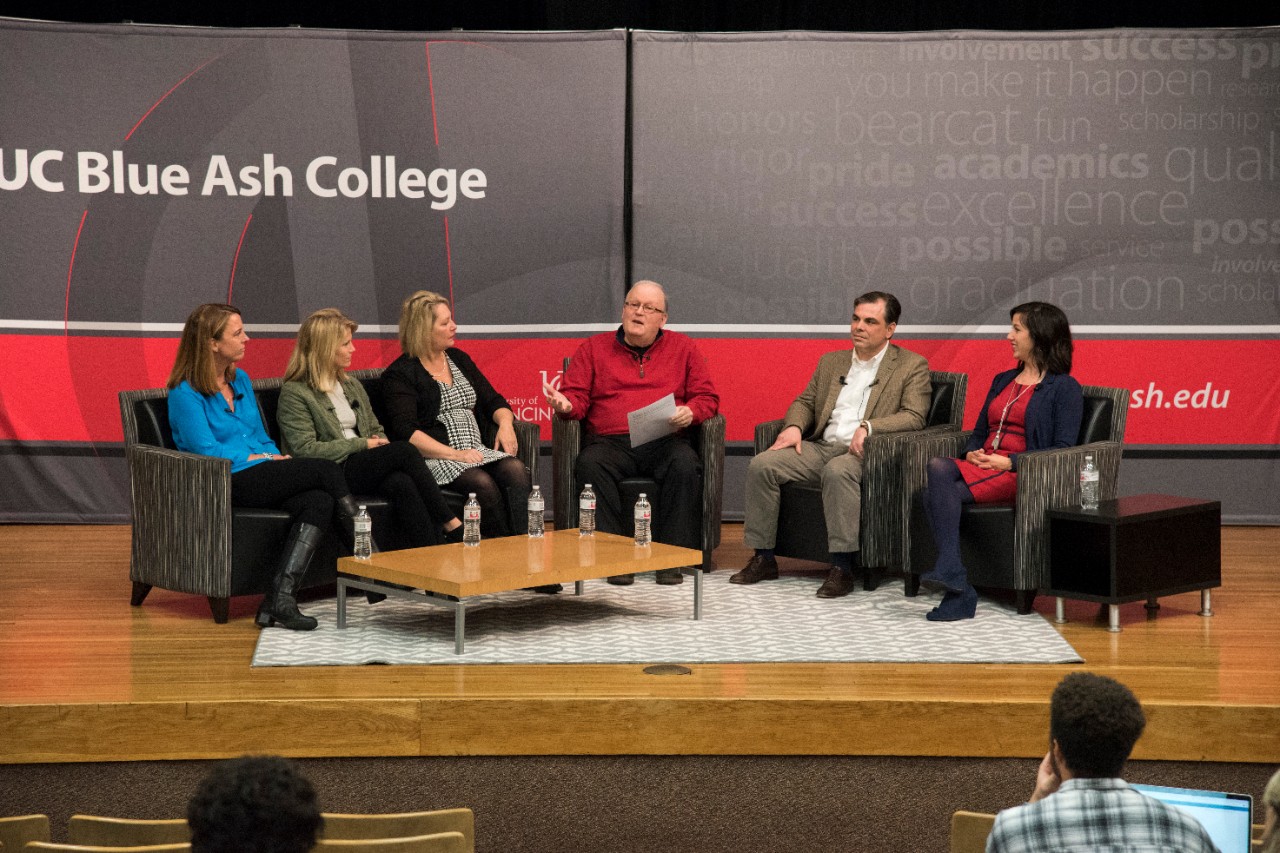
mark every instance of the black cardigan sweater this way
{"type": "Point", "coordinates": [412, 398]}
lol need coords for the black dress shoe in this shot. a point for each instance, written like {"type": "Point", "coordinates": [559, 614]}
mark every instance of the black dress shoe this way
{"type": "Point", "coordinates": [622, 580]}
{"type": "Point", "coordinates": [668, 577]}
{"type": "Point", "coordinates": [757, 569]}
{"type": "Point", "coordinates": [546, 588]}
{"type": "Point", "coordinates": [838, 584]}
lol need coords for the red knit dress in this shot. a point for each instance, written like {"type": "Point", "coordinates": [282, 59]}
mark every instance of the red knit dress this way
{"type": "Point", "coordinates": [988, 485]}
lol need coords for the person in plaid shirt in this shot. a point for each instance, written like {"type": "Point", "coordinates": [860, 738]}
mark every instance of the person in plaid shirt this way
{"type": "Point", "coordinates": [1080, 803]}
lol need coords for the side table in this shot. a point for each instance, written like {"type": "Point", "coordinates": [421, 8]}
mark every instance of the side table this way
{"type": "Point", "coordinates": [1128, 549]}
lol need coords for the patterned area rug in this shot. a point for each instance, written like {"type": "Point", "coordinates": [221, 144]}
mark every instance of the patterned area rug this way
{"type": "Point", "coordinates": [774, 621]}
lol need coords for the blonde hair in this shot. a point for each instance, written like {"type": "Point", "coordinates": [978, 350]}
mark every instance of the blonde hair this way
{"type": "Point", "coordinates": [417, 316]}
{"type": "Point", "coordinates": [319, 337]}
{"type": "Point", "coordinates": [194, 362]}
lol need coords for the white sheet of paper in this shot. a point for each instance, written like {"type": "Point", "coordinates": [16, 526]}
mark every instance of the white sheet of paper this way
{"type": "Point", "coordinates": [653, 421]}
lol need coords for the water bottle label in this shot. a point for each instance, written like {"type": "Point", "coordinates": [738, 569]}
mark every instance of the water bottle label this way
{"type": "Point", "coordinates": [642, 515]}
{"type": "Point", "coordinates": [536, 506]}
{"type": "Point", "coordinates": [364, 526]}
{"type": "Point", "coordinates": [471, 513]}
{"type": "Point", "coordinates": [587, 503]}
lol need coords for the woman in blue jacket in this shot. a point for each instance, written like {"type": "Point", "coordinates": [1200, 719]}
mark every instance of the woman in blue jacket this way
{"type": "Point", "coordinates": [1034, 406]}
{"type": "Point", "coordinates": [212, 411]}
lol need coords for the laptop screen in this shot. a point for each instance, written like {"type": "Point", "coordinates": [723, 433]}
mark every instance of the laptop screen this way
{"type": "Point", "coordinates": [1226, 817]}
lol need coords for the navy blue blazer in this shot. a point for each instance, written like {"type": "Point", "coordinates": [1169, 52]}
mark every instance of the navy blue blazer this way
{"type": "Point", "coordinates": [1053, 415]}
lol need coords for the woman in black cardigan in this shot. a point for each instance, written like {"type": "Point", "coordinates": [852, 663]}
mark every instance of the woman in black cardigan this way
{"type": "Point", "coordinates": [435, 396]}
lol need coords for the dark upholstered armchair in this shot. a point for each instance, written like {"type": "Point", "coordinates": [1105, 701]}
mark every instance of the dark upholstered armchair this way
{"type": "Point", "coordinates": [708, 441]}
{"type": "Point", "coordinates": [1006, 545]}
{"type": "Point", "coordinates": [802, 528]}
{"type": "Point", "coordinates": [187, 536]}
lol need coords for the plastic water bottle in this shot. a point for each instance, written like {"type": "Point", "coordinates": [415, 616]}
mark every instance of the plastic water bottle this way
{"type": "Point", "coordinates": [1089, 484]}
{"type": "Point", "coordinates": [363, 528]}
{"type": "Point", "coordinates": [644, 516]}
{"type": "Point", "coordinates": [536, 522]}
{"type": "Point", "coordinates": [587, 512]}
{"type": "Point", "coordinates": [471, 521]}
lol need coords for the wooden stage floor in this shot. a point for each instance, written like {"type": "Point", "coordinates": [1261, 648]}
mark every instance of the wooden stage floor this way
{"type": "Point", "coordinates": [86, 677]}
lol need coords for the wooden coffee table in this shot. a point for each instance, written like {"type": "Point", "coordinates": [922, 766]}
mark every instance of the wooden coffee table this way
{"type": "Point", "coordinates": [447, 575]}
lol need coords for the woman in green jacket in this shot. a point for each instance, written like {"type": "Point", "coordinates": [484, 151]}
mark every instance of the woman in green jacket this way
{"type": "Point", "coordinates": [326, 414]}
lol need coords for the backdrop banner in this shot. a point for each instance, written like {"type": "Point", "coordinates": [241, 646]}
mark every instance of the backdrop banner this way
{"type": "Point", "coordinates": [1130, 177]}
{"type": "Point", "coordinates": [144, 170]}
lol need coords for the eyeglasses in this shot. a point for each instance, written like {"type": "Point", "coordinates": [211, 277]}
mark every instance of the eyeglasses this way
{"type": "Point", "coordinates": [644, 309]}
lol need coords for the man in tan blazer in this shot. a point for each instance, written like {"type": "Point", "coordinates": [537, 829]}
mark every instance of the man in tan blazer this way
{"type": "Point", "coordinates": [874, 387]}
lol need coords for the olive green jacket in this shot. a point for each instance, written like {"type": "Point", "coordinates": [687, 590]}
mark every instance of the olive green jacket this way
{"type": "Point", "coordinates": [309, 426]}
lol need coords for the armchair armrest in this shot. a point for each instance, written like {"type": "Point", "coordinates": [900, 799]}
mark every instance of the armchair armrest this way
{"type": "Point", "coordinates": [529, 441]}
{"type": "Point", "coordinates": [767, 434]}
{"type": "Point", "coordinates": [1050, 479]}
{"type": "Point", "coordinates": [181, 506]}
{"type": "Point", "coordinates": [711, 454]}
{"type": "Point", "coordinates": [919, 449]}
{"type": "Point", "coordinates": [884, 501]}
{"type": "Point", "coordinates": [566, 441]}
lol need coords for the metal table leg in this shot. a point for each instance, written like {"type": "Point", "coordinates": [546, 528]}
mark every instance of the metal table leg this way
{"type": "Point", "coordinates": [578, 587]}
{"type": "Point", "coordinates": [342, 603]}
{"type": "Point", "coordinates": [459, 625]}
{"type": "Point", "coordinates": [697, 592]}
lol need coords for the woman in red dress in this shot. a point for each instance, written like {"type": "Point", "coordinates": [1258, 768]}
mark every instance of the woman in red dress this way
{"type": "Point", "coordinates": [1034, 406]}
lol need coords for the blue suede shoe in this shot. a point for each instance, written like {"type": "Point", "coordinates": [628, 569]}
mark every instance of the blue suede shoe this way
{"type": "Point", "coordinates": [955, 606]}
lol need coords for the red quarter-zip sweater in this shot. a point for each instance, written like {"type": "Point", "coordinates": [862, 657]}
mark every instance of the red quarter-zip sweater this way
{"type": "Point", "coordinates": [606, 380]}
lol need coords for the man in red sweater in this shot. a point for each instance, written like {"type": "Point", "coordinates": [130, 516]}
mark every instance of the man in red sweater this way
{"type": "Point", "coordinates": [618, 372]}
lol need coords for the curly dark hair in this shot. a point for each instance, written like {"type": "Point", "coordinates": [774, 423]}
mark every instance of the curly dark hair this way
{"type": "Point", "coordinates": [1050, 335]}
{"type": "Point", "coordinates": [254, 804]}
{"type": "Point", "coordinates": [1096, 721]}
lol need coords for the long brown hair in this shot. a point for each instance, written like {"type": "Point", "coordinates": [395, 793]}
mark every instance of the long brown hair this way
{"type": "Point", "coordinates": [1050, 332]}
{"type": "Point", "coordinates": [194, 362]}
{"type": "Point", "coordinates": [312, 359]}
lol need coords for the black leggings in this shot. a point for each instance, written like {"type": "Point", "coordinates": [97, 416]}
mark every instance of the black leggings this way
{"type": "Point", "coordinates": [944, 496]}
{"type": "Point", "coordinates": [396, 471]}
{"type": "Point", "coordinates": [502, 488]}
{"type": "Point", "coordinates": [305, 488]}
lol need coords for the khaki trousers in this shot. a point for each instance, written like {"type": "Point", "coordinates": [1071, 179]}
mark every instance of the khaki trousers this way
{"type": "Point", "coordinates": [832, 466]}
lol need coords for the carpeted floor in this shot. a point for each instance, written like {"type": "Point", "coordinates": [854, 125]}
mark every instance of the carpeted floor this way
{"type": "Point", "coordinates": [623, 804]}
{"type": "Point", "coordinates": [775, 621]}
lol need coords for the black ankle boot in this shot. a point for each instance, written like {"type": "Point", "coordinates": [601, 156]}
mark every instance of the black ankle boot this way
{"type": "Point", "coordinates": [280, 607]}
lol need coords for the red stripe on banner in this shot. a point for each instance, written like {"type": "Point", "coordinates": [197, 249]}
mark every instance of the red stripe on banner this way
{"type": "Point", "coordinates": [71, 265]}
{"type": "Point", "coordinates": [57, 388]}
{"type": "Point", "coordinates": [235, 260]}
{"type": "Point", "coordinates": [139, 122]}
{"type": "Point", "coordinates": [431, 90]}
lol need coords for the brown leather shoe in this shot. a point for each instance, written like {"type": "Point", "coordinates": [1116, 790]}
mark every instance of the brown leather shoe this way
{"type": "Point", "coordinates": [757, 569]}
{"type": "Point", "coordinates": [668, 577]}
{"type": "Point", "coordinates": [622, 580]}
{"type": "Point", "coordinates": [838, 584]}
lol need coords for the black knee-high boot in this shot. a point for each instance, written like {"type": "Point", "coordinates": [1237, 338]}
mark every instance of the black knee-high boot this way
{"type": "Point", "coordinates": [281, 604]}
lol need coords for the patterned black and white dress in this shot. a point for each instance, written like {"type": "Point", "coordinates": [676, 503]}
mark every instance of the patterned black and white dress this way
{"type": "Point", "coordinates": [457, 402]}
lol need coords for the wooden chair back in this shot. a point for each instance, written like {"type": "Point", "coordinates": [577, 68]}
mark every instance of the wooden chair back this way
{"type": "Point", "coordinates": [400, 825]}
{"type": "Point", "coordinates": [123, 832]}
{"type": "Point", "coordinates": [17, 831]}
{"type": "Point", "coordinates": [969, 831]}
{"type": "Point", "coordinates": [441, 842]}
{"type": "Point", "coordinates": [95, 848]}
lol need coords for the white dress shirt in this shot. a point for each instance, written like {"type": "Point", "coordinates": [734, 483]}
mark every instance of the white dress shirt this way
{"type": "Point", "coordinates": [851, 405]}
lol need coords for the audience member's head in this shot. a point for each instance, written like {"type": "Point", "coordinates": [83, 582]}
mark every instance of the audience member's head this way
{"type": "Point", "coordinates": [254, 804]}
{"type": "Point", "coordinates": [1271, 818]}
{"type": "Point", "coordinates": [1095, 722]}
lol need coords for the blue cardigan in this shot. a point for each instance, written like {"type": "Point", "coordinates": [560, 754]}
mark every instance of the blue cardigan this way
{"type": "Point", "coordinates": [1053, 415]}
{"type": "Point", "coordinates": [202, 423]}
